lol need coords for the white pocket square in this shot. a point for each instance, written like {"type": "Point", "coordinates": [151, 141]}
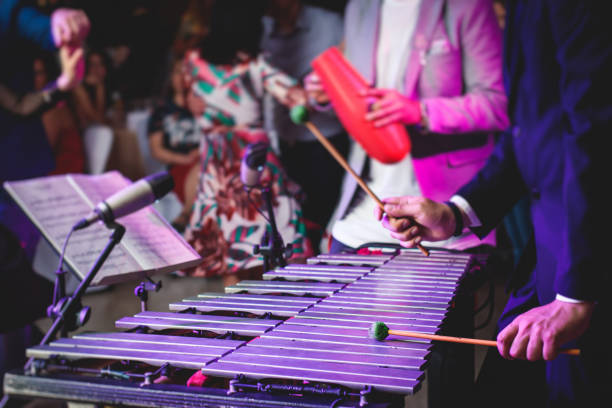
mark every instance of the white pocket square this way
{"type": "Point", "coordinates": [439, 46]}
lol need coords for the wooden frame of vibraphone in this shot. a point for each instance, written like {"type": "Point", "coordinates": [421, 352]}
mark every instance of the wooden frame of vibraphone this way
{"type": "Point", "coordinates": [324, 340]}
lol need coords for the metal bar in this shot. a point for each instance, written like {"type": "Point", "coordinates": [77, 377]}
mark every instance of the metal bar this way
{"type": "Point", "coordinates": [354, 317]}
{"type": "Point", "coordinates": [324, 267]}
{"type": "Point", "coordinates": [255, 309]}
{"type": "Point", "coordinates": [161, 339]}
{"type": "Point", "coordinates": [319, 277]}
{"type": "Point", "coordinates": [385, 350]}
{"type": "Point", "coordinates": [216, 324]}
{"type": "Point", "coordinates": [148, 357]}
{"type": "Point", "coordinates": [81, 343]}
{"type": "Point", "coordinates": [332, 335]}
{"type": "Point", "coordinates": [298, 357]}
{"type": "Point", "coordinates": [304, 301]}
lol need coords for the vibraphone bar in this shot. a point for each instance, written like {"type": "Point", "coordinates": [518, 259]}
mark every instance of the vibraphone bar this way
{"type": "Point", "coordinates": [302, 324]}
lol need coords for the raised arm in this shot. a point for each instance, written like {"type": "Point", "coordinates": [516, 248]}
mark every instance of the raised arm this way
{"type": "Point", "coordinates": [64, 27]}
{"type": "Point", "coordinates": [30, 103]}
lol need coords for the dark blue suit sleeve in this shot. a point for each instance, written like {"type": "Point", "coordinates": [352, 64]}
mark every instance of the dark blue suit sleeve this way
{"type": "Point", "coordinates": [17, 19]}
{"type": "Point", "coordinates": [496, 188]}
{"type": "Point", "coordinates": [581, 31]}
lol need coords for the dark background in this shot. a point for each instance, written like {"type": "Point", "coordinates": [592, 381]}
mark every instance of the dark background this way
{"type": "Point", "coordinates": [152, 29]}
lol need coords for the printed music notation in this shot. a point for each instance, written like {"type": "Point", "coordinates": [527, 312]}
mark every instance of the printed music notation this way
{"type": "Point", "coordinates": [55, 203]}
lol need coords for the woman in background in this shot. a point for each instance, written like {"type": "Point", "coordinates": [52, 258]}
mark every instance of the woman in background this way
{"type": "Point", "coordinates": [174, 139]}
{"type": "Point", "coordinates": [91, 102]}
{"type": "Point", "coordinates": [109, 144]}
{"type": "Point", "coordinates": [231, 77]}
{"type": "Point", "coordinates": [60, 124]}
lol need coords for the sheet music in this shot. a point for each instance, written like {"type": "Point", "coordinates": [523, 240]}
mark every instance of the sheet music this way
{"type": "Point", "coordinates": [56, 203]}
{"type": "Point", "coordinates": [152, 241]}
{"type": "Point", "coordinates": [99, 187]}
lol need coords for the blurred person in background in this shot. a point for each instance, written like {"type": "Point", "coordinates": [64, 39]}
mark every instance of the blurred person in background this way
{"type": "Point", "coordinates": [108, 143]}
{"type": "Point", "coordinates": [60, 124]}
{"type": "Point", "coordinates": [231, 77]}
{"type": "Point", "coordinates": [24, 149]}
{"type": "Point", "coordinates": [24, 153]}
{"type": "Point", "coordinates": [294, 34]}
{"type": "Point", "coordinates": [91, 101]}
{"type": "Point", "coordinates": [174, 139]}
{"type": "Point", "coordinates": [193, 27]}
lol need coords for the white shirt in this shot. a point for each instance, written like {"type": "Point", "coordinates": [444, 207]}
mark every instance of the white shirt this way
{"type": "Point", "coordinates": [398, 20]}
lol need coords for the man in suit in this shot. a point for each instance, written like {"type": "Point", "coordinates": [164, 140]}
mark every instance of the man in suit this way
{"type": "Point", "coordinates": [558, 60]}
{"type": "Point", "coordinates": [436, 68]}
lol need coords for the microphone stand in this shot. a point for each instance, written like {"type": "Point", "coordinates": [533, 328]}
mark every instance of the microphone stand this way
{"type": "Point", "coordinates": [69, 308]}
{"type": "Point", "coordinates": [59, 291]}
{"type": "Point", "coordinates": [272, 248]}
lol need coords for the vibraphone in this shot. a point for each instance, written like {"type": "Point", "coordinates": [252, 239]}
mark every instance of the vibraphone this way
{"type": "Point", "coordinates": [297, 338]}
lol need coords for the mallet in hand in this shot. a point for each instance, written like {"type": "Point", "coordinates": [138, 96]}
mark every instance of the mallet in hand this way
{"type": "Point", "coordinates": [299, 115]}
{"type": "Point", "coordinates": [380, 331]}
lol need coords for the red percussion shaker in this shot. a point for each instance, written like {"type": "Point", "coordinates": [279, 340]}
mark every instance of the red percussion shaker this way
{"type": "Point", "coordinates": [343, 84]}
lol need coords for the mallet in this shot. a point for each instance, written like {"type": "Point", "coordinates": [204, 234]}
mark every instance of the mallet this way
{"type": "Point", "coordinates": [379, 331]}
{"type": "Point", "coordinates": [299, 115]}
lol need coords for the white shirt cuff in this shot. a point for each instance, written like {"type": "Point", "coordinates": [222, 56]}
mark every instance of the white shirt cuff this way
{"type": "Point", "coordinates": [467, 209]}
{"type": "Point", "coordinates": [568, 300]}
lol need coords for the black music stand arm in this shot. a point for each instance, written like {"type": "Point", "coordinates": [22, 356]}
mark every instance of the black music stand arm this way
{"type": "Point", "coordinates": [115, 238]}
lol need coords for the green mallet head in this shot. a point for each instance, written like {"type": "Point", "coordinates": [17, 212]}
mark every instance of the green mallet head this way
{"type": "Point", "coordinates": [299, 114]}
{"type": "Point", "coordinates": [379, 331]}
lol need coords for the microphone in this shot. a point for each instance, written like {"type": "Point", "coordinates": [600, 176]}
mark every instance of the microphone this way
{"type": "Point", "coordinates": [129, 199]}
{"type": "Point", "coordinates": [252, 164]}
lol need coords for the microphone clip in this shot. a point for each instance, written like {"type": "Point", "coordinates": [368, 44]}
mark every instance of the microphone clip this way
{"type": "Point", "coordinates": [274, 251]}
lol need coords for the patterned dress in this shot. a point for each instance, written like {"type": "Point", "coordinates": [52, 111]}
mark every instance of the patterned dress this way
{"type": "Point", "coordinates": [225, 223]}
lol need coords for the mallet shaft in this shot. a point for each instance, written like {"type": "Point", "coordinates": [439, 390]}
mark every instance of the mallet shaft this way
{"type": "Point", "coordinates": [465, 340]}
{"type": "Point", "coordinates": [332, 150]}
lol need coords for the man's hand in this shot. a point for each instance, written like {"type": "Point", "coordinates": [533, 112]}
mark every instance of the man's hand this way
{"type": "Point", "coordinates": [390, 106]}
{"type": "Point", "coordinates": [296, 95]}
{"type": "Point", "coordinates": [72, 68]}
{"type": "Point", "coordinates": [540, 332]}
{"type": "Point", "coordinates": [314, 89]}
{"type": "Point", "coordinates": [69, 27]}
{"type": "Point", "coordinates": [421, 219]}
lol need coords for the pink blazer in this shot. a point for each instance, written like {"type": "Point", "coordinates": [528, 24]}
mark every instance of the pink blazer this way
{"type": "Point", "coordinates": [454, 68]}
